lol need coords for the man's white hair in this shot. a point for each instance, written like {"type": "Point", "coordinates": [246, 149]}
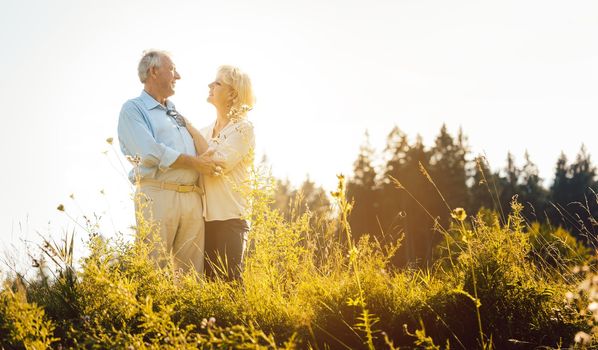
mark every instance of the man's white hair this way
{"type": "Point", "coordinates": [150, 59]}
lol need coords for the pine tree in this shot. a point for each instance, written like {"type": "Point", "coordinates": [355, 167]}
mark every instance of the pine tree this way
{"type": "Point", "coordinates": [508, 185]}
{"type": "Point", "coordinates": [560, 193]}
{"type": "Point", "coordinates": [483, 189]}
{"type": "Point", "coordinates": [314, 198]}
{"type": "Point", "coordinates": [392, 200]}
{"type": "Point", "coordinates": [419, 235]}
{"type": "Point", "coordinates": [449, 172]}
{"type": "Point", "coordinates": [572, 195]}
{"type": "Point", "coordinates": [362, 189]}
{"type": "Point", "coordinates": [531, 193]}
{"type": "Point", "coordinates": [582, 185]}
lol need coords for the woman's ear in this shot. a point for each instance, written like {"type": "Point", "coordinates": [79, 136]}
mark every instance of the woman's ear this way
{"type": "Point", "coordinates": [232, 97]}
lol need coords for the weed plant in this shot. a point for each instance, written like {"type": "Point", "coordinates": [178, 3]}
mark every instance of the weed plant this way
{"type": "Point", "coordinates": [306, 284]}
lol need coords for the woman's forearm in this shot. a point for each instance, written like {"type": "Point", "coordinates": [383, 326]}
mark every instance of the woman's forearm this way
{"type": "Point", "coordinates": [201, 145]}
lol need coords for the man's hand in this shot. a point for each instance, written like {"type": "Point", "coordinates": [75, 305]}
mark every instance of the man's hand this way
{"type": "Point", "coordinates": [206, 164]}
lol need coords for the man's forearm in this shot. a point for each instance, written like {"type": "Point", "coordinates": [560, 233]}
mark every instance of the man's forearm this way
{"type": "Point", "coordinates": [185, 161]}
{"type": "Point", "coordinates": [202, 164]}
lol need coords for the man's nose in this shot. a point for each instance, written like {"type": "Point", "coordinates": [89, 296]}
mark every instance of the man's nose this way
{"type": "Point", "coordinates": [177, 75]}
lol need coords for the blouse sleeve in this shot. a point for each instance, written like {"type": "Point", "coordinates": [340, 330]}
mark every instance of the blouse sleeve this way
{"type": "Point", "coordinates": [234, 146]}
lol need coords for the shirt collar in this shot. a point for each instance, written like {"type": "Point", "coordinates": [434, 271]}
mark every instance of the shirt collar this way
{"type": "Point", "coordinates": [151, 103]}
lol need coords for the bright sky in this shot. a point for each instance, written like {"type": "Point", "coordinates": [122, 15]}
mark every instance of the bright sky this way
{"type": "Point", "coordinates": [515, 74]}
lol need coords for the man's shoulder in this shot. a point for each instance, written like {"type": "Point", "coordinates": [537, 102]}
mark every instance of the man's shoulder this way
{"type": "Point", "coordinates": [133, 105]}
{"type": "Point", "coordinates": [133, 102]}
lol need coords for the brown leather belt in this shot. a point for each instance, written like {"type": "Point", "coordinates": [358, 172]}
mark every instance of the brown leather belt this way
{"type": "Point", "coordinates": [171, 186]}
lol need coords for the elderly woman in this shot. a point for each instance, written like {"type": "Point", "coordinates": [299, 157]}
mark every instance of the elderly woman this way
{"type": "Point", "coordinates": [230, 137]}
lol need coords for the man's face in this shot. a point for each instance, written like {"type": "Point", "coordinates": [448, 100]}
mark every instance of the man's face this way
{"type": "Point", "coordinates": [166, 77]}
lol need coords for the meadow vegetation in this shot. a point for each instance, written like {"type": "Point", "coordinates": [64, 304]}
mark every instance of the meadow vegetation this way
{"type": "Point", "coordinates": [309, 284]}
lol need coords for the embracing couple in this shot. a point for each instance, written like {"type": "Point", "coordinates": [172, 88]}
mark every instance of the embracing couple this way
{"type": "Point", "coordinates": [190, 182]}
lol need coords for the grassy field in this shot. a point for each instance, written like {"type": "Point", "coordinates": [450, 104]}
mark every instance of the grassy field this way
{"type": "Point", "coordinates": [308, 285]}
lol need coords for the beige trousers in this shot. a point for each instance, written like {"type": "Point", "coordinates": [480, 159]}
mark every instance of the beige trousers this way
{"type": "Point", "coordinates": [178, 225]}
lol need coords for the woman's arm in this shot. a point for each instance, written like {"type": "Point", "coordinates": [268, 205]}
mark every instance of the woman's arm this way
{"type": "Point", "coordinates": [235, 147]}
{"type": "Point", "coordinates": [201, 145]}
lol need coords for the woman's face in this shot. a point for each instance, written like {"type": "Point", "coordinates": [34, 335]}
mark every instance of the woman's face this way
{"type": "Point", "coordinates": [220, 93]}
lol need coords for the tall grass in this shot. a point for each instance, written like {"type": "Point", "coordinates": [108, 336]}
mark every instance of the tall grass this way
{"type": "Point", "coordinates": [306, 284]}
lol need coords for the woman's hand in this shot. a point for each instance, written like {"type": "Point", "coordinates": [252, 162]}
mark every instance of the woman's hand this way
{"type": "Point", "coordinates": [201, 145]}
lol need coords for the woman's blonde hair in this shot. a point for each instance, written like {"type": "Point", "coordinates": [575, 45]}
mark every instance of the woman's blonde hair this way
{"type": "Point", "coordinates": [239, 81]}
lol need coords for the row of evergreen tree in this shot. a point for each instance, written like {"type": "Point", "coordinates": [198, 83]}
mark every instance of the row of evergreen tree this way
{"type": "Point", "coordinates": [414, 188]}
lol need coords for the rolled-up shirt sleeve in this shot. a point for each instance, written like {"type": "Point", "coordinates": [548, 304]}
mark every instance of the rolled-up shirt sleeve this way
{"type": "Point", "coordinates": [235, 146]}
{"type": "Point", "coordinates": [136, 139]}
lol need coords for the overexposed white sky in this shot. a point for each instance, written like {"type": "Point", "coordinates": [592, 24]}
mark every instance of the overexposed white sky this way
{"type": "Point", "coordinates": [514, 74]}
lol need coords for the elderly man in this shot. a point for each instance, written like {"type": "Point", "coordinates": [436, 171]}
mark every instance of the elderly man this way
{"type": "Point", "coordinates": [152, 132]}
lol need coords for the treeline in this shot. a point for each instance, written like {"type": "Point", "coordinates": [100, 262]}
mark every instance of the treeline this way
{"type": "Point", "coordinates": [412, 189]}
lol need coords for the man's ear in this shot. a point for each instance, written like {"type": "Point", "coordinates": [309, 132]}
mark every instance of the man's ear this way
{"type": "Point", "coordinates": [153, 71]}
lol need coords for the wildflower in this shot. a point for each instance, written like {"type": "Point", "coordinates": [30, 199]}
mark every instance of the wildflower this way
{"type": "Point", "coordinates": [584, 285]}
{"type": "Point", "coordinates": [569, 296]}
{"type": "Point", "coordinates": [134, 160]}
{"type": "Point", "coordinates": [60, 207]}
{"type": "Point", "coordinates": [109, 140]}
{"type": "Point", "coordinates": [212, 322]}
{"type": "Point", "coordinates": [353, 254]}
{"type": "Point", "coordinates": [340, 189]}
{"type": "Point", "coordinates": [583, 338]}
{"type": "Point", "coordinates": [593, 306]}
{"type": "Point", "coordinates": [459, 214]}
{"type": "Point", "coordinates": [204, 323]}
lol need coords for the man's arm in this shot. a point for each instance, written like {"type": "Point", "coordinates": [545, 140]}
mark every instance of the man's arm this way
{"type": "Point", "coordinates": [136, 139]}
{"type": "Point", "coordinates": [203, 163]}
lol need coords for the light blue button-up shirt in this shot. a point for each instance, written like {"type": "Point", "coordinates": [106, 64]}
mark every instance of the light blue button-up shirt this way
{"type": "Point", "coordinates": [146, 131]}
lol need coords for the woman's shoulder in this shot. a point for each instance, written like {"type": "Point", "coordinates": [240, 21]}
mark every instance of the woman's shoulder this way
{"type": "Point", "coordinates": [243, 126]}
